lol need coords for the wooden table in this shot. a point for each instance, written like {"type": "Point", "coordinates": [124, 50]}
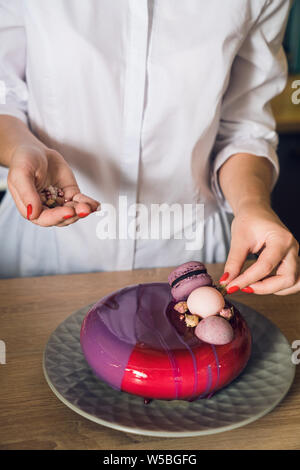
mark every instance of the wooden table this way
{"type": "Point", "coordinates": [31, 417]}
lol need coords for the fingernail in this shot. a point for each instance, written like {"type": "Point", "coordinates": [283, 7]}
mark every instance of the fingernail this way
{"type": "Point", "coordinates": [232, 289]}
{"type": "Point", "coordinates": [248, 290]}
{"type": "Point", "coordinates": [83, 214]}
{"type": "Point", "coordinates": [67, 216]}
{"type": "Point", "coordinates": [224, 277]}
{"type": "Point", "coordinates": [29, 211]}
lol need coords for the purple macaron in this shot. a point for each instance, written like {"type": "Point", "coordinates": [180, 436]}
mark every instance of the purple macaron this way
{"type": "Point", "coordinates": [187, 277]}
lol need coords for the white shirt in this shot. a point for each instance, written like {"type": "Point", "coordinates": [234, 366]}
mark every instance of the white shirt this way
{"type": "Point", "coordinates": [144, 99]}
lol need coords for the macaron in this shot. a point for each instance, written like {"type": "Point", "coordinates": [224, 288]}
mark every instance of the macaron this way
{"type": "Point", "coordinates": [205, 301]}
{"type": "Point", "coordinates": [187, 277]}
{"type": "Point", "coordinates": [214, 330]}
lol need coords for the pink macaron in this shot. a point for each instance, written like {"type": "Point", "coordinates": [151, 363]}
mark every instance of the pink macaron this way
{"type": "Point", "coordinates": [214, 330]}
{"type": "Point", "coordinates": [187, 277]}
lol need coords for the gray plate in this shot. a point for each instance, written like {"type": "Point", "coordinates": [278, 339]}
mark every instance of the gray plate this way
{"type": "Point", "coordinates": [263, 384]}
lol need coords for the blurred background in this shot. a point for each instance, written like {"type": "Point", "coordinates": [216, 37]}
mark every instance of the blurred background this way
{"type": "Point", "coordinates": [286, 195]}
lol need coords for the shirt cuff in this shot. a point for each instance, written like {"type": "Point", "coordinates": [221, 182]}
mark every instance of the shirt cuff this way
{"type": "Point", "coordinates": [259, 147]}
{"type": "Point", "coordinates": [12, 110]}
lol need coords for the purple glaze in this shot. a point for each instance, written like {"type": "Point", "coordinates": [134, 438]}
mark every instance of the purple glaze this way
{"type": "Point", "coordinates": [208, 383]}
{"type": "Point", "coordinates": [183, 329]}
{"type": "Point", "coordinates": [142, 314]}
{"type": "Point", "coordinates": [107, 339]}
{"type": "Point", "coordinates": [119, 321]}
{"type": "Point", "coordinates": [218, 368]}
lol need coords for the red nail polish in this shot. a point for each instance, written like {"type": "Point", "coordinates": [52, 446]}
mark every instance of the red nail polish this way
{"type": "Point", "coordinates": [83, 214]}
{"type": "Point", "coordinates": [29, 211]}
{"type": "Point", "coordinates": [248, 290]}
{"type": "Point", "coordinates": [232, 289]}
{"type": "Point", "coordinates": [67, 216]}
{"type": "Point", "coordinates": [224, 277]}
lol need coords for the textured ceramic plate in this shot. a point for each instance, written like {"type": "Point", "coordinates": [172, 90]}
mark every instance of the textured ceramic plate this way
{"type": "Point", "coordinates": [263, 384]}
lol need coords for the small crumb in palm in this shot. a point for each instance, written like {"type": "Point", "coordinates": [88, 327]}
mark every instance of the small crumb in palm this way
{"type": "Point", "coordinates": [51, 197]}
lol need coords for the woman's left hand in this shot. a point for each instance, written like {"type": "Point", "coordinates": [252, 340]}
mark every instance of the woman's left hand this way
{"type": "Point", "coordinates": [257, 229]}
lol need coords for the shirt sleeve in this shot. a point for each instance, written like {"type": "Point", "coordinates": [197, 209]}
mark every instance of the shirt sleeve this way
{"type": "Point", "coordinates": [258, 73]}
{"type": "Point", "coordinates": [13, 89]}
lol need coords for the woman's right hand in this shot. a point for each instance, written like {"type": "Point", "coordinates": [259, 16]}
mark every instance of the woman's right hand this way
{"type": "Point", "coordinates": [33, 168]}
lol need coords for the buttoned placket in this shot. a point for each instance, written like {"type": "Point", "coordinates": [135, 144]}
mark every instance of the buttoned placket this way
{"type": "Point", "coordinates": [134, 97]}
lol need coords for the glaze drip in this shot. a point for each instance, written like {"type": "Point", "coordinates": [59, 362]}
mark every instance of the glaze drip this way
{"type": "Point", "coordinates": [135, 341]}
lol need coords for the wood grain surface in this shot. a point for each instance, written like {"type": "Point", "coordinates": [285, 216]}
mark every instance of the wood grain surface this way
{"type": "Point", "coordinates": [31, 417]}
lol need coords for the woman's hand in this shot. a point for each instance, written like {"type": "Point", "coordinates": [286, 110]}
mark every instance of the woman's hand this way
{"type": "Point", "coordinates": [33, 168]}
{"type": "Point", "coordinates": [257, 229]}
